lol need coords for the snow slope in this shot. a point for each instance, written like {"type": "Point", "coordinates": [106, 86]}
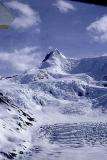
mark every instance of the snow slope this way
{"type": "Point", "coordinates": [60, 91]}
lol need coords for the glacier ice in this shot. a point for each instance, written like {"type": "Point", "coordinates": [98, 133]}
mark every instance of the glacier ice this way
{"type": "Point", "coordinates": [61, 104]}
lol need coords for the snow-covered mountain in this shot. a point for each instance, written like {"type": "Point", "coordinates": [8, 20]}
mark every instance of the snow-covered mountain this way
{"type": "Point", "coordinates": [40, 105]}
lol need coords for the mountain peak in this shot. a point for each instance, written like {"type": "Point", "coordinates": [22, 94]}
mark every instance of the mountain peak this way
{"type": "Point", "coordinates": [54, 53]}
{"type": "Point", "coordinates": [53, 59]}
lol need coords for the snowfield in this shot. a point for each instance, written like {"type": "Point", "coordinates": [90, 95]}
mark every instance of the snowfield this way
{"type": "Point", "coordinates": [56, 112]}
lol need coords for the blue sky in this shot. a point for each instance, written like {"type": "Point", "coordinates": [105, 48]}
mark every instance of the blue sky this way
{"type": "Point", "coordinates": [76, 29]}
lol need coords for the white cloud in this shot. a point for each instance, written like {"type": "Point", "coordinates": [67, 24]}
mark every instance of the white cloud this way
{"type": "Point", "coordinates": [64, 6]}
{"type": "Point", "coordinates": [98, 29]}
{"type": "Point", "coordinates": [27, 16]}
{"type": "Point", "coordinates": [21, 60]}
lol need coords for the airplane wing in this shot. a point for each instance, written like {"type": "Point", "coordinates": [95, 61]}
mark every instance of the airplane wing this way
{"type": "Point", "coordinates": [102, 2]}
{"type": "Point", "coordinates": [6, 18]}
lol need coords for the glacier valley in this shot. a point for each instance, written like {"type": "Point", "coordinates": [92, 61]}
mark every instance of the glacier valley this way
{"type": "Point", "coordinates": [57, 111]}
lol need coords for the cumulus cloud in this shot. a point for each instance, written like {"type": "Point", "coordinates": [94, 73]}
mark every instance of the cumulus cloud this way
{"type": "Point", "coordinates": [21, 60]}
{"type": "Point", "coordinates": [64, 6]}
{"type": "Point", "coordinates": [98, 29]}
{"type": "Point", "coordinates": [27, 16]}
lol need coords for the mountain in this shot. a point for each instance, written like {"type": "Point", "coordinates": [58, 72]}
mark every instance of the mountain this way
{"type": "Point", "coordinates": [63, 95]}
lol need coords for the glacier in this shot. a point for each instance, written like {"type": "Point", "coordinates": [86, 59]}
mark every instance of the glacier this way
{"type": "Point", "coordinates": [55, 111]}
